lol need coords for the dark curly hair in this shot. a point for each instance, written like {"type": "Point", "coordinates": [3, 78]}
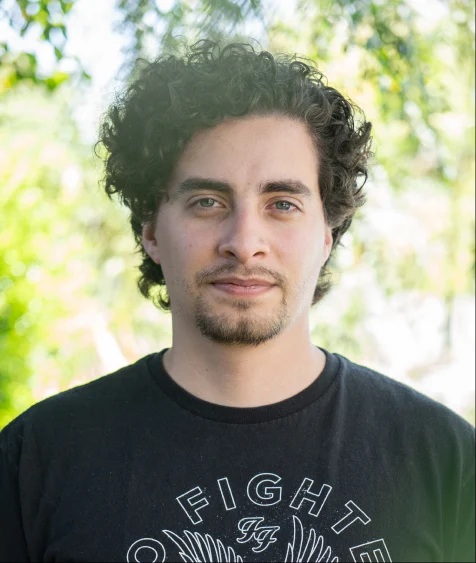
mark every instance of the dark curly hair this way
{"type": "Point", "coordinates": [147, 127]}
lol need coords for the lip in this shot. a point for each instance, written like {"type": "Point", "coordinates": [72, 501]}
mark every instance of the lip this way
{"type": "Point", "coordinates": [243, 287]}
{"type": "Point", "coordinates": [243, 282]}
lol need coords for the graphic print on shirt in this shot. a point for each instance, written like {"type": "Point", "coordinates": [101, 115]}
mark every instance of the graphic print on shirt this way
{"type": "Point", "coordinates": [255, 533]}
{"type": "Point", "coordinates": [252, 531]}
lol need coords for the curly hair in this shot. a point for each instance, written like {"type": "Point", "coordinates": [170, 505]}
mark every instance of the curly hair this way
{"type": "Point", "coordinates": [147, 127]}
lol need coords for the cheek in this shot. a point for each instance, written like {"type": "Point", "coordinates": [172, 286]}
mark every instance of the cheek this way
{"type": "Point", "coordinates": [302, 249]}
{"type": "Point", "coordinates": [185, 254]}
{"type": "Point", "coordinates": [194, 244]}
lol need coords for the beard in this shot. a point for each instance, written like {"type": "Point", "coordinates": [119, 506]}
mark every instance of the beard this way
{"type": "Point", "coordinates": [244, 326]}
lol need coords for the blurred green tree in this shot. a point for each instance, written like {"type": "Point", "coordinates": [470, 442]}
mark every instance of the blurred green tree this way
{"type": "Point", "coordinates": [31, 145]}
{"type": "Point", "coordinates": [59, 236]}
{"type": "Point", "coordinates": [141, 20]}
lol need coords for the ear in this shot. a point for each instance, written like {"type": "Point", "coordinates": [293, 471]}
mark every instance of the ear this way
{"type": "Point", "coordinates": [328, 240]}
{"type": "Point", "coordinates": [149, 241]}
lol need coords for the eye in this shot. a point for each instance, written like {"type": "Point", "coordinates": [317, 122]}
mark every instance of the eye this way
{"type": "Point", "coordinates": [205, 205]}
{"type": "Point", "coordinates": [206, 202]}
{"type": "Point", "coordinates": [285, 206]}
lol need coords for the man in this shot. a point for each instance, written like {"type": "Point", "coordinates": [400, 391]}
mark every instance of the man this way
{"type": "Point", "coordinates": [243, 441]}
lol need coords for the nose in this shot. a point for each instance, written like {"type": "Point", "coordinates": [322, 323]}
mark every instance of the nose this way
{"type": "Point", "coordinates": [243, 236]}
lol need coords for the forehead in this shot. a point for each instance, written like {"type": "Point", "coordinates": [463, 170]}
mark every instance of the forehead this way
{"type": "Point", "coordinates": [249, 151]}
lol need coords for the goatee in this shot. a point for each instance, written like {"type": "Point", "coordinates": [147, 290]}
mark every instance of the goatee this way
{"type": "Point", "coordinates": [248, 329]}
{"type": "Point", "coordinates": [243, 326]}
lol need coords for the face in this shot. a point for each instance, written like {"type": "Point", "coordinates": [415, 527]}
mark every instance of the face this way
{"type": "Point", "coordinates": [242, 237]}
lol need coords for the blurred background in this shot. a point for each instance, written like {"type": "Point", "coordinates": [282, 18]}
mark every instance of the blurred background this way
{"type": "Point", "coordinates": [403, 301]}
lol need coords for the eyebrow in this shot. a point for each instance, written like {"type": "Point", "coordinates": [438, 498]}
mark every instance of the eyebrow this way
{"type": "Point", "coordinates": [192, 184]}
{"type": "Point", "coordinates": [294, 187]}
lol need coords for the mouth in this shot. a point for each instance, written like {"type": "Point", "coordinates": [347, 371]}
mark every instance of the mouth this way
{"type": "Point", "coordinates": [243, 286]}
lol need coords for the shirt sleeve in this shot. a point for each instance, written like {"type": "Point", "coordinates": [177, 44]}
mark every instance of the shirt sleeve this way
{"type": "Point", "coordinates": [13, 546]}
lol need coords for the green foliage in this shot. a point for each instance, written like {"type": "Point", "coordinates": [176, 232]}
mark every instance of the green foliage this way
{"type": "Point", "coordinates": [67, 263]}
{"type": "Point", "coordinates": [46, 20]}
{"type": "Point", "coordinates": [142, 21]}
{"type": "Point", "coordinates": [39, 155]}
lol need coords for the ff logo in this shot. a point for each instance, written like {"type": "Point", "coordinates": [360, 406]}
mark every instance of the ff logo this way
{"type": "Point", "coordinates": [251, 530]}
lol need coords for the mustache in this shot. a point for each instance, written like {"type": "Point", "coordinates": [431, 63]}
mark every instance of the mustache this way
{"type": "Point", "coordinates": [209, 275]}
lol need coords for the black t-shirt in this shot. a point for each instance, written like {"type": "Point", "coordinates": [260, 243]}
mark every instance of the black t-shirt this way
{"type": "Point", "coordinates": [131, 467]}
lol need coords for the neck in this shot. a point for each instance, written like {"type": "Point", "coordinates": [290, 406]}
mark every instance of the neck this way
{"type": "Point", "coordinates": [245, 376]}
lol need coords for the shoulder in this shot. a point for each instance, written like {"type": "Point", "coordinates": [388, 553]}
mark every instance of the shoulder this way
{"type": "Point", "coordinates": [369, 385]}
{"type": "Point", "coordinates": [82, 408]}
{"type": "Point", "coordinates": [390, 404]}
